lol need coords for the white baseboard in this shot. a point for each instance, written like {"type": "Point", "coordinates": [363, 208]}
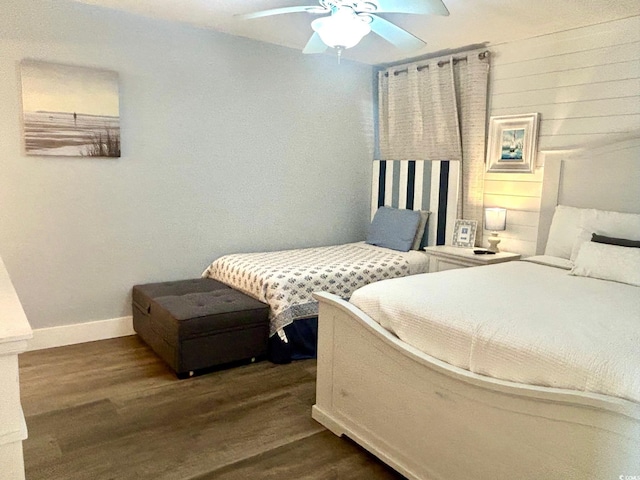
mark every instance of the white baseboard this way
{"type": "Point", "coordinates": [80, 333]}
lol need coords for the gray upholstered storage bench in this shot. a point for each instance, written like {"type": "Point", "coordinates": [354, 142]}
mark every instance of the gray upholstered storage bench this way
{"type": "Point", "coordinates": [196, 324]}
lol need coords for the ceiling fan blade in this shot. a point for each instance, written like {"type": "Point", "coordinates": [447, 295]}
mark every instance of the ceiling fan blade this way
{"type": "Point", "coordinates": [420, 7]}
{"type": "Point", "coordinates": [280, 11]}
{"type": "Point", "coordinates": [395, 35]}
{"type": "Point", "coordinates": [315, 45]}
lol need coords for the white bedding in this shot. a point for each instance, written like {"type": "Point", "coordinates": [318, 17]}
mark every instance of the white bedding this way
{"type": "Point", "coordinates": [518, 321]}
{"type": "Point", "coordinates": [286, 279]}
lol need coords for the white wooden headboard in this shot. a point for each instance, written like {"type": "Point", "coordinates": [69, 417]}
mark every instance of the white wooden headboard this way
{"type": "Point", "coordinates": [606, 178]}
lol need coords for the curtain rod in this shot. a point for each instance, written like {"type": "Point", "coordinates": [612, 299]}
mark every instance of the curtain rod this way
{"type": "Point", "coordinates": [441, 63]}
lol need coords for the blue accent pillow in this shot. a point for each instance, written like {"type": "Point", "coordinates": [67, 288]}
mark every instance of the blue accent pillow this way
{"type": "Point", "coordinates": [393, 228]}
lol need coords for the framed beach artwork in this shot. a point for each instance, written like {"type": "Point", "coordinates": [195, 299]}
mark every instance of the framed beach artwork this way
{"type": "Point", "coordinates": [70, 111]}
{"type": "Point", "coordinates": [513, 143]}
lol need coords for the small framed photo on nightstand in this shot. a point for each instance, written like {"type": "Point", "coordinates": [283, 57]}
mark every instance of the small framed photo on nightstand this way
{"type": "Point", "coordinates": [464, 233]}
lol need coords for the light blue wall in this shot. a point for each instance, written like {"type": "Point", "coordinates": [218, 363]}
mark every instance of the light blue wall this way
{"type": "Point", "coordinates": [229, 145]}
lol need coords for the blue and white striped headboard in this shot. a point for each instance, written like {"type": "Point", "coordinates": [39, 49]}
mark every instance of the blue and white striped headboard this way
{"type": "Point", "coordinates": [419, 185]}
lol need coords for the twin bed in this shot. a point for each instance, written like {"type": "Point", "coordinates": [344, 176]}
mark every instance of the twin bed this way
{"type": "Point", "coordinates": [519, 370]}
{"type": "Point", "coordinates": [286, 280]}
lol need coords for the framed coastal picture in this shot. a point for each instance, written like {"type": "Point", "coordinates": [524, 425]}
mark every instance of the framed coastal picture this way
{"type": "Point", "coordinates": [512, 143]}
{"type": "Point", "coordinates": [464, 233]}
{"type": "Point", "coordinates": [70, 111]}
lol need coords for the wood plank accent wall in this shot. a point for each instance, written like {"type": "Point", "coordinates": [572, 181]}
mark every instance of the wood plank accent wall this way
{"type": "Point", "coordinates": [585, 83]}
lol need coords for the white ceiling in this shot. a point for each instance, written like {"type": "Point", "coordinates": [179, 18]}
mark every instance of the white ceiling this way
{"type": "Point", "coordinates": [471, 22]}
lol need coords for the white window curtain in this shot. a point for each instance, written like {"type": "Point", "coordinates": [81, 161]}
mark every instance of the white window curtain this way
{"type": "Point", "coordinates": [437, 110]}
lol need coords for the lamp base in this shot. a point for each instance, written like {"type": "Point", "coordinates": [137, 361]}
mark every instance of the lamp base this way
{"type": "Point", "coordinates": [493, 242]}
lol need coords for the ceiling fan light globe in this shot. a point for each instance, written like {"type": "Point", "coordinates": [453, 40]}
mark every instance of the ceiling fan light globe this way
{"type": "Point", "coordinates": [342, 29]}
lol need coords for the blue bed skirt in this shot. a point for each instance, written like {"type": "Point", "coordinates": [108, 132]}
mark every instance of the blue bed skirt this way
{"type": "Point", "coordinates": [302, 336]}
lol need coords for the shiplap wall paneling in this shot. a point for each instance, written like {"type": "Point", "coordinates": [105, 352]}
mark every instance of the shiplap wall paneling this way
{"type": "Point", "coordinates": [521, 197]}
{"type": "Point", "coordinates": [585, 83]}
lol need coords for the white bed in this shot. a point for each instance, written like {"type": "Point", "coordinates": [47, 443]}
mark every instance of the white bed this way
{"type": "Point", "coordinates": [521, 322]}
{"type": "Point", "coordinates": [475, 406]}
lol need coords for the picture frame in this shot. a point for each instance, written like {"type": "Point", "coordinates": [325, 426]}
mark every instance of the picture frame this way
{"type": "Point", "coordinates": [512, 143]}
{"type": "Point", "coordinates": [69, 110]}
{"type": "Point", "coordinates": [464, 233]}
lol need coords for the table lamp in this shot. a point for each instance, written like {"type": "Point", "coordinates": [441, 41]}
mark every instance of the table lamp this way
{"type": "Point", "coordinates": [495, 219]}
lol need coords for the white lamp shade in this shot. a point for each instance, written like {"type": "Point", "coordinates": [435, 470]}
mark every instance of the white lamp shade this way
{"type": "Point", "coordinates": [342, 29]}
{"type": "Point", "coordinates": [495, 219]}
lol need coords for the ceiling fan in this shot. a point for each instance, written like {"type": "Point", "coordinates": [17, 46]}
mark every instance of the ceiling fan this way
{"type": "Point", "coordinates": [349, 21]}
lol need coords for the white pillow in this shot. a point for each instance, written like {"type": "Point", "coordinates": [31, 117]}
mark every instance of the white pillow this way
{"type": "Point", "coordinates": [602, 222]}
{"type": "Point", "coordinates": [608, 262]}
{"type": "Point", "coordinates": [424, 216]}
{"type": "Point", "coordinates": [565, 227]}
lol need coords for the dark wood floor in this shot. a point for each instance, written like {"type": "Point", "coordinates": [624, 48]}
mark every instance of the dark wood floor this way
{"type": "Point", "coordinates": [112, 410]}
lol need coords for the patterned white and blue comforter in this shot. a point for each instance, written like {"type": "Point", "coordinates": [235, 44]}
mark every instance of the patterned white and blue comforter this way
{"type": "Point", "coordinates": [286, 279]}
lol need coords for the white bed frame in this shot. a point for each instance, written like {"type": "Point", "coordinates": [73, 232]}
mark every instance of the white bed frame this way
{"type": "Point", "coordinates": [430, 420]}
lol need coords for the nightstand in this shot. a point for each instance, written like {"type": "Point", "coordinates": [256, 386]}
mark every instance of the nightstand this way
{"type": "Point", "coordinates": [445, 257]}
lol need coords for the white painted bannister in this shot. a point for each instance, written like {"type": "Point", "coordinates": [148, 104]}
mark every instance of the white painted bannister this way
{"type": "Point", "coordinates": [14, 333]}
